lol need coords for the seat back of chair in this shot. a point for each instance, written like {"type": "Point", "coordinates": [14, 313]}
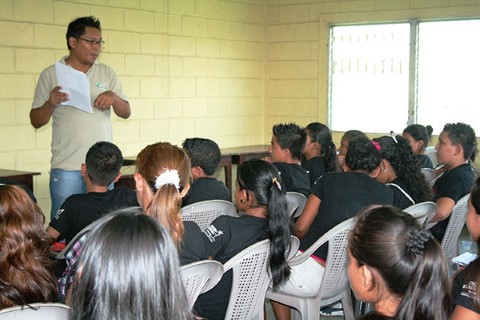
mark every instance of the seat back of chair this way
{"type": "Point", "coordinates": [199, 277]}
{"type": "Point", "coordinates": [335, 279]}
{"type": "Point", "coordinates": [296, 202]}
{"type": "Point", "coordinates": [423, 211]}
{"type": "Point", "coordinates": [36, 311]}
{"type": "Point", "coordinates": [429, 174]}
{"type": "Point", "coordinates": [250, 281]}
{"type": "Point", "coordinates": [204, 212]}
{"type": "Point", "coordinates": [454, 228]}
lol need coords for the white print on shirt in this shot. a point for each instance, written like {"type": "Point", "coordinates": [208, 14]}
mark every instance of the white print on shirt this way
{"type": "Point", "coordinates": [59, 212]}
{"type": "Point", "coordinates": [212, 233]}
{"type": "Point", "coordinates": [470, 290]}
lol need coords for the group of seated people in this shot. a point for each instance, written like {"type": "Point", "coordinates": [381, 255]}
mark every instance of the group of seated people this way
{"type": "Point", "coordinates": [126, 265]}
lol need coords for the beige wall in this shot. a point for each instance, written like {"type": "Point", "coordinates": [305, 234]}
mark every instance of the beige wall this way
{"type": "Point", "coordinates": [226, 70]}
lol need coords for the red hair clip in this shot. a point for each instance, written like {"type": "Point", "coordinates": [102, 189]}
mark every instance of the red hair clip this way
{"type": "Point", "coordinates": [377, 146]}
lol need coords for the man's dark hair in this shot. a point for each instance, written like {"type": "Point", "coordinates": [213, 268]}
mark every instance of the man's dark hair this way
{"type": "Point", "coordinates": [76, 28]}
{"type": "Point", "coordinates": [203, 153]}
{"type": "Point", "coordinates": [463, 134]}
{"type": "Point", "coordinates": [290, 136]}
{"type": "Point", "coordinates": [103, 161]}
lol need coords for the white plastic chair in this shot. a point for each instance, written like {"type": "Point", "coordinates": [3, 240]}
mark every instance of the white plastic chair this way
{"type": "Point", "coordinates": [454, 228]}
{"type": "Point", "coordinates": [250, 281]}
{"type": "Point", "coordinates": [36, 311]}
{"type": "Point", "coordinates": [431, 153]}
{"type": "Point", "coordinates": [199, 277]}
{"type": "Point", "coordinates": [423, 211]}
{"type": "Point", "coordinates": [429, 174]}
{"type": "Point", "coordinates": [334, 286]}
{"type": "Point", "coordinates": [296, 202]}
{"type": "Point", "coordinates": [204, 212]}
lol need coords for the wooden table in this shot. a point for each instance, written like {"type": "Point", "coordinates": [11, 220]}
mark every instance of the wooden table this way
{"type": "Point", "coordinates": [22, 177]}
{"type": "Point", "coordinates": [230, 156]}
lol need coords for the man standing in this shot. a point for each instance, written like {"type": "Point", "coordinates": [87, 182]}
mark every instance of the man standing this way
{"type": "Point", "coordinates": [74, 131]}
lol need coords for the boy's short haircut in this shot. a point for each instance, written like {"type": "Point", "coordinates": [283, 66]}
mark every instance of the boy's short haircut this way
{"type": "Point", "coordinates": [104, 161]}
{"type": "Point", "coordinates": [463, 134]}
{"type": "Point", "coordinates": [203, 153]}
{"type": "Point", "coordinates": [290, 136]}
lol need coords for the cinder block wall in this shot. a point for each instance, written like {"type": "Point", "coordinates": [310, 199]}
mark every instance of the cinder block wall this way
{"type": "Point", "coordinates": [189, 67]}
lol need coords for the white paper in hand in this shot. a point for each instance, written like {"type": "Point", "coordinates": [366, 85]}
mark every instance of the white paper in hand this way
{"type": "Point", "coordinates": [465, 258]}
{"type": "Point", "coordinates": [76, 85]}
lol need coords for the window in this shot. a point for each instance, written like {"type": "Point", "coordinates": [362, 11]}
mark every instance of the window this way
{"type": "Point", "coordinates": [381, 81]}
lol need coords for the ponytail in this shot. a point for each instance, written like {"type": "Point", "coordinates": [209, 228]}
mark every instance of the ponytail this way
{"type": "Point", "coordinates": [331, 161]}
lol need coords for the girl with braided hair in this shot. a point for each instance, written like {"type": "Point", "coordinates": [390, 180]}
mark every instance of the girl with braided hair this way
{"type": "Point", "coordinates": [397, 266]}
{"type": "Point", "coordinates": [465, 289]}
{"type": "Point", "coordinates": [319, 153]}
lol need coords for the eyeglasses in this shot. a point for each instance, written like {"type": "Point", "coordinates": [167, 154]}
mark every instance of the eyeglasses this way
{"type": "Point", "coordinates": [93, 42]}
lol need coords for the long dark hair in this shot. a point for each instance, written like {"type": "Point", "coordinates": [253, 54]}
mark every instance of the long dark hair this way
{"type": "Point", "coordinates": [262, 179]}
{"type": "Point", "coordinates": [129, 270]}
{"type": "Point", "coordinates": [400, 155]}
{"type": "Point", "coordinates": [420, 133]}
{"type": "Point", "coordinates": [362, 155]}
{"type": "Point", "coordinates": [318, 132]}
{"type": "Point", "coordinates": [26, 270]}
{"type": "Point", "coordinates": [407, 257]}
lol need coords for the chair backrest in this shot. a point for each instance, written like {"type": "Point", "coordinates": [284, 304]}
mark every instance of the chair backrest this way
{"type": "Point", "coordinates": [454, 227]}
{"type": "Point", "coordinates": [296, 202]}
{"type": "Point", "coordinates": [294, 245]}
{"type": "Point", "coordinates": [204, 212]}
{"type": "Point", "coordinates": [36, 311]}
{"type": "Point", "coordinates": [423, 211]}
{"type": "Point", "coordinates": [199, 277]}
{"type": "Point", "coordinates": [429, 174]}
{"type": "Point", "coordinates": [430, 152]}
{"type": "Point", "coordinates": [335, 280]}
{"type": "Point", "coordinates": [250, 281]}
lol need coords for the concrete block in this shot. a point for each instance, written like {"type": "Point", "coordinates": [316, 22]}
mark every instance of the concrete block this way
{"type": "Point", "coordinates": [291, 51]}
{"type": "Point", "coordinates": [174, 25]}
{"type": "Point", "coordinates": [142, 108]}
{"type": "Point", "coordinates": [22, 111]}
{"type": "Point", "coordinates": [155, 130]}
{"type": "Point", "coordinates": [7, 160]}
{"type": "Point", "coordinates": [206, 87]}
{"type": "Point", "coordinates": [139, 21]}
{"type": "Point", "coordinates": [25, 57]}
{"type": "Point", "coordinates": [139, 65]}
{"type": "Point", "coordinates": [153, 87]}
{"type": "Point", "coordinates": [48, 36]}
{"type": "Point", "coordinates": [280, 33]}
{"type": "Point", "coordinates": [307, 70]}
{"type": "Point", "coordinates": [131, 85]}
{"type": "Point", "coordinates": [155, 5]}
{"type": "Point", "coordinates": [161, 22]}
{"type": "Point", "coordinates": [7, 112]}
{"type": "Point", "coordinates": [154, 44]}
{"type": "Point", "coordinates": [392, 5]}
{"type": "Point", "coordinates": [111, 18]}
{"type": "Point", "coordinates": [207, 47]}
{"type": "Point", "coordinates": [208, 8]}
{"type": "Point", "coordinates": [16, 86]}
{"type": "Point", "coordinates": [7, 56]}
{"type": "Point", "coordinates": [248, 32]}
{"type": "Point", "coordinates": [220, 107]}
{"type": "Point", "coordinates": [319, 9]}
{"type": "Point", "coordinates": [168, 108]}
{"type": "Point", "coordinates": [33, 159]}
{"type": "Point", "coordinates": [115, 60]}
{"type": "Point", "coordinates": [182, 46]}
{"type": "Point", "coordinates": [430, 3]}
{"type": "Point", "coordinates": [208, 128]}
{"type": "Point", "coordinates": [168, 66]}
{"type": "Point", "coordinates": [363, 5]}
{"type": "Point", "coordinates": [65, 12]}
{"type": "Point", "coordinates": [182, 87]}
{"type": "Point", "coordinates": [181, 7]}
{"type": "Point", "coordinates": [126, 131]}
{"type": "Point", "coordinates": [220, 29]}
{"type": "Point", "coordinates": [43, 137]}
{"type": "Point", "coordinates": [36, 11]}
{"type": "Point", "coordinates": [241, 88]}
{"type": "Point", "coordinates": [194, 26]}
{"type": "Point", "coordinates": [195, 107]}
{"type": "Point", "coordinates": [281, 70]}
{"type": "Point", "coordinates": [123, 42]}
{"type": "Point", "coordinates": [6, 9]}
{"type": "Point", "coordinates": [293, 13]}
{"type": "Point", "coordinates": [179, 129]}
{"type": "Point", "coordinates": [20, 137]}
{"type": "Point", "coordinates": [16, 34]}
{"type": "Point", "coordinates": [242, 50]}
{"type": "Point", "coordinates": [243, 107]}
{"type": "Point", "coordinates": [195, 67]}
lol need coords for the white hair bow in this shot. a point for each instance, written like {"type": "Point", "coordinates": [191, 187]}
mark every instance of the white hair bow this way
{"type": "Point", "coordinates": [168, 177]}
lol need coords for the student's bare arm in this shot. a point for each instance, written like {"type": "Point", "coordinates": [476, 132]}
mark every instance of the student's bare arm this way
{"type": "Point", "coordinates": [444, 209]}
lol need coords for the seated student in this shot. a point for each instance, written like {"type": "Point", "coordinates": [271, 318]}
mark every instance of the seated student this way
{"type": "Point", "coordinates": [400, 171]}
{"type": "Point", "coordinates": [262, 200]}
{"type": "Point", "coordinates": [204, 157]}
{"type": "Point", "coordinates": [342, 148]}
{"type": "Point", "coordinates": [320, 153]}
{"type": "Point", "coordinates": [335, 197]}
{"type": "Point", "coordinates": [129, 270]}
{"type": "Point", "coordinates": [418, 136]}
{"type": "Point", "coordinates": [397, 266]}
{"type": "Point", "coordinates": [286, 148]}
{"type": "Point", "coordinates": [26, 270]}
{"type": "Point", "coordinates": [456, 145]}
{"type": "Point", "coordinates": [466, 284]}
{"type": "Point", "coordinates": [101, 168]}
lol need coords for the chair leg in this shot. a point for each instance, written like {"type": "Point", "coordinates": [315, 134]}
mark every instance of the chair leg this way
{"type": "Point", "coordinates": [312, 312]}
{"type": "Point", "coordinates": [347, 305]}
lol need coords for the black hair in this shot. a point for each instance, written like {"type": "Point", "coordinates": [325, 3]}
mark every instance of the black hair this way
{"type": "Point", "coordinates": [362, 155]}
{"type": "Point", "coordinates": [318, 132]}
{"type": "Point", "coordinates": [463, 134]}
{"type": "Point", "coordinates": [292, 137]}
{"type": "Point", "coordinates": [400, 155]}
{"type": "Point", "coordinates": [129, 270]}
{"type": "Point", "coordinates": [420, 133]}
{"type": "Point", "coordinates": [203, 153]}
{"type": "Point", "coordinates": [76, 28]}
{"type": "Point", "coordinates": [262, 179]}
{"type": "Point", "coordinates": [104, 161]}
{"type": "Point", "coordinates": [407, 257]}
{"type": "Point", "coordinates": [351, 134]}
